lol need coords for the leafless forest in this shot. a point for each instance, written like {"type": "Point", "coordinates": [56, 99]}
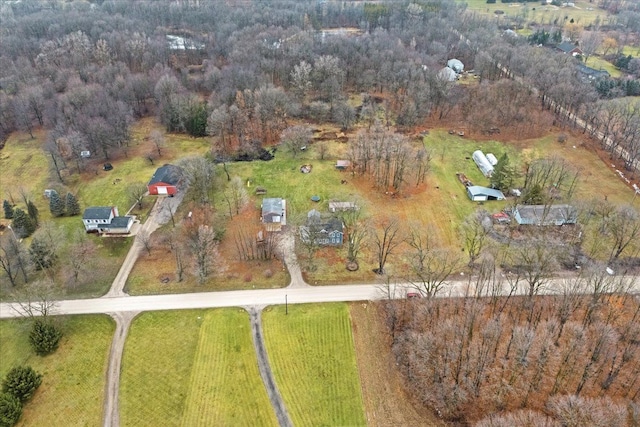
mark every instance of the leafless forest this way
{"type": "Point", "coordinates": [570, 360]}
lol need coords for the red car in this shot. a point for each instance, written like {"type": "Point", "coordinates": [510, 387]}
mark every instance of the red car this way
{"type": "Point", "coordinates": [411, 295]}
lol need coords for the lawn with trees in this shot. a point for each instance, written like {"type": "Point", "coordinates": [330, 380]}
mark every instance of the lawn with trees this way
{"type": "Point", "coordinates": [313, 345]}
{"type": "Point", "coordinates": [73, 378]}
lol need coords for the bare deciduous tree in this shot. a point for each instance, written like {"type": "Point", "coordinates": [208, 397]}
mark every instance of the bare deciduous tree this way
{"type": "Point", "coordinates": [136, 192]}
{"type": "Point", "coordinates": [386, 238]}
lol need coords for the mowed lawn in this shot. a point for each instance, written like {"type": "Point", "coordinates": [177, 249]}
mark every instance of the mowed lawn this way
{"type": "Point", "coordinates": [72, 389]}
{"type": "Point", "coordinates": [312, 357]}
{"type": "Point", "coordinates": [192, 367]}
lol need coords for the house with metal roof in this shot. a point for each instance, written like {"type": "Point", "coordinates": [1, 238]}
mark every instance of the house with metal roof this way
{"type": "Point", "coordinates": [105, 219]}
{"type": "Point", "coordinates": [335, 206]}
{"type": "Point", "coordinates": [274, 213]}
{"type": "Point", "coordinates": [478, 193]}
{"type": "Point", "coordinates": [545, 214]}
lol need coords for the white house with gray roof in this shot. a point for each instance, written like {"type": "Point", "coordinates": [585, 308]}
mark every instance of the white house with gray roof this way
{"type": "Point", "coordinates": [545, 214]}
{"type": "Point", "coordinates": [105, 219]}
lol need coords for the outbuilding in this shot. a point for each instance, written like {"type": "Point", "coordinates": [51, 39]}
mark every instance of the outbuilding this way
{"type": "Point", "coordinates": [165, 181]}
{"type": "Point", "coordinates": [545, 214]}
{"type": "Point", "coordinates": [481, 194]}
{"type": "Point", "coordinates": [456, 65]}
{"type": "Point", "coordinates": [483, 163]}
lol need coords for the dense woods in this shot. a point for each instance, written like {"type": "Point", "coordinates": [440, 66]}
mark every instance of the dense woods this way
{"type": "Point", "coordinates": [483, 360]}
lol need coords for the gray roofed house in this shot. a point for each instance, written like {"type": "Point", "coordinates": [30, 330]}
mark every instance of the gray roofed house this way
{"type": "Point", "coordinates": [105, 219]}
{"type": "Point", "coordinates": [325, 232]}
{"type": "Point", "coordinates": [274, 213]}
{"type": "Point", "coordinates": [478, 193]}
{"type": "Point", "coordinates": [545, 214]}
{"type": "Point", "coordinates": [569, 48]}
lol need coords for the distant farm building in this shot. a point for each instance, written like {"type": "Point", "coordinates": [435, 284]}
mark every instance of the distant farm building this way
{"type": "Point", "coordinates": [481, 194]}
{"type": "Point", "coordinates": [456, 65]}
{"type": "Point", "coordinates": [545, 214]}
{"type": "Point", "coordinates": [342, 206]}
{"type": "Point", "coordinates": [105, 219]}
{"type": "Point", "coordinates": [447, 75]}
{"type": "Point", "coordinates": [165, 181]}
{"type": "Point", "coordinates": [274, 213]}
{"type": "Point", "coordinates": [483, 163]}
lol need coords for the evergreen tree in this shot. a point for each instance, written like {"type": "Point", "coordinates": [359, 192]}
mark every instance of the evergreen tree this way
{"type": "Point", "coordinates": [71, 205]}
{"type": "Point", "coordinates": [8, 209]}
{"type": "Point", "coordinates": [22, 382]}
{"type": "Point", "coordinates": [504, 174]}
{"type": "Point", "coordinates": [44, 337]}
{"type": "Point", "coordinates": [42, 254]}
{"type": "Point", "coordinates": [56, 205]}
{"type": "Point", "coordinates": [22, 224]}
{"type": "Point", "coordinates": [10, 409]}
{"type": "Point", "coordinates": [32, 210]}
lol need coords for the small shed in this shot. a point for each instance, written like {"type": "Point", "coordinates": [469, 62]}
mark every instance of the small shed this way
{"type": "Point", "coordinates": [481, 194]}
{"type": "Point", "coordinates": [49, 192]}
{"type": "Point", "coordinates": [342, 164]}
{"type": "Point", "coordinates": [342, 206]}
{"type": "Point", "coordinates": [483, 163]}
{"type": "Point", "coordinates": [492, 159]}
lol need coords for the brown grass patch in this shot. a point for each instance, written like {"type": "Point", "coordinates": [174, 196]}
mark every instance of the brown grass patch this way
{"type": "Point", "coordinates": [386, 401]}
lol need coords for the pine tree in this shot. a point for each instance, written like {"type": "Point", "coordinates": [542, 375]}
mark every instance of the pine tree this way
{"type": "Point", "coordinates": [22, 224]}
{"type": "Point", "coordinates": [22, 382]}
{"type": "Point", "coordinates": [10, 409]}
{"type": "Point", "coordinates": [8, 209]}
{"type": "Point", "coordinates": [44, 337]}
{"type": "Point", "coordinates": [56, 205]}
{"type": "Point", "coordinates": [32, 210]}
{"type": "Point", "coordinates": [42, 254]}
{"type": "Point", "coordinates": [504, 174]}
{"type": "Point", "coordinates": [71, 205]}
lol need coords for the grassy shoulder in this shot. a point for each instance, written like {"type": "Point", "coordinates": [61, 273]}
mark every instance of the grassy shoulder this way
{"type": "Point", "coordinates": [202, 371]}
{"type": "Point", "coordinates": [386, 401]}
{"type": "Point", "coordinates": [313, 360]}
{"type": "Point", "coordinates": [72, 390]}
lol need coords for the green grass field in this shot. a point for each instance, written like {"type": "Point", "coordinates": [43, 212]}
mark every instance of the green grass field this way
{"type": "Point", "coordinates": [72, 389]}
{"type": "Point", "coordinates": [282, 178]}
{"type": "Point", "coordinates": [584, 12]}
{"type": "Point", "coordinates": [194, 367]}
{"type": "Point", "coordinates": [313, 360]}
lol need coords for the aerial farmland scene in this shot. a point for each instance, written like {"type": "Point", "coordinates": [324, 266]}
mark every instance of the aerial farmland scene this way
{"type": "Point", "coordinates": [320, 213]}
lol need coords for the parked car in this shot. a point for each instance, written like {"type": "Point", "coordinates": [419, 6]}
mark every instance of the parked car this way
{"type": "Point", "coordinates": [411, 295]}
{"type": "Point", "coordinates": [107, 166]}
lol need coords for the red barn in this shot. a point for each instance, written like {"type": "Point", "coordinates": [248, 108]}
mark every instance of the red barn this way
{"type": "Point", "coordinates": [165, 181]}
